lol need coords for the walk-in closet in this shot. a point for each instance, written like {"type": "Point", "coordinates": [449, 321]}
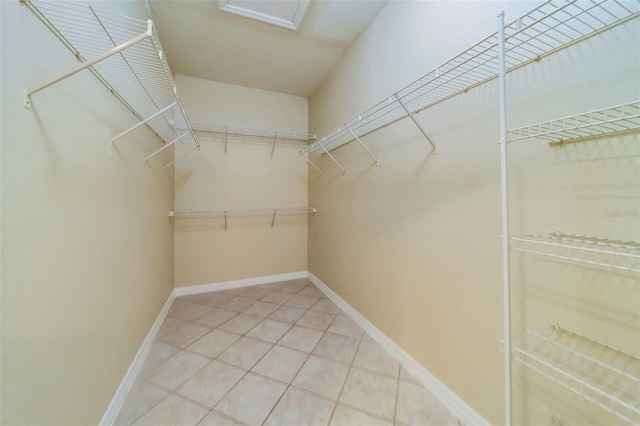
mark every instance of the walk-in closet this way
{"type": "Point", "coordinates": [320, 212]}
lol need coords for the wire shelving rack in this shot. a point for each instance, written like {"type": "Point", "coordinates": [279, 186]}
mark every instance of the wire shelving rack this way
{"type": "Point", "coordinates": [605, 121]}
{"type": "Point", "coordinates": [601, 374]}
{"type": "Point", "coordinates": [270, 212]}
{"type": "Point", "coordinates": [552, 26]}
{"type": "Point", "coordinates": [125, 54]}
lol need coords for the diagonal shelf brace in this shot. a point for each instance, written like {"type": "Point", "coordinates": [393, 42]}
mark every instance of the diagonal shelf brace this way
{"type": "Point", "coordinates": [334, 160]}
{"type": "Point", "coordinates": [275, 138]}
{"type": "Point", "coordinates": [87, 64]}
{"type": "Point", "coordinates": [363, 145]}
{"type": "Point", "coordinates": [196, 148]}
{"type": "Point", "coordinates": [273, 219]}
{"type": "Point", "coordinates": [151, 117]}
{"type": "Point", "coordinates": [415, 122]}
{"type": "Point", "coordinates": [166, 146]}
{"type": "Point", "coordinates": [226, 131]}
{"type": "Point", "coordinates": [315, 167]}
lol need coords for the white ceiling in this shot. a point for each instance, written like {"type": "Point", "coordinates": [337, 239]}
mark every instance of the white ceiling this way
{"type": "Point", "coordinates": [202, 41]}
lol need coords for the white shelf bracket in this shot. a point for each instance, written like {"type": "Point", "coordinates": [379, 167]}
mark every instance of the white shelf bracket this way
{"type": "Point", "coordinates": [166, 146]}
{"type": "Point", "coordinates": [196, 148]}
{"type": "Point", "coordinates": [86, 64]}
{"type": "Point", "coordinates": [334, 160]}
{"type": "Point", "coordinates": [273, 146]}
{"type": "Point", "coordinates": [363, 145]}
{"type": "Point", "coordinates": [151, 117]}
{"type": "Point", "coordinates": [225, 220]}
{"type": "Point", "coordinates": [226, 132]}
{"type": "Point", "coordinates": [273, 219]}
{"type": "Point", "coordinates": [315, 167]}
{"type": "Point", "coordinates": [414, 121]}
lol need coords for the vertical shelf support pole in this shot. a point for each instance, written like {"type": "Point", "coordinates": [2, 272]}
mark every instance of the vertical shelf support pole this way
{"type": "Point", "coordinates": [415, 122]}
{"type": "Point", "coordinates": [226, 130]}
{"type": "Point", "coordinates": [225, 220]}
{"type": "Point", "coordinates": [363, 145]}
{"type": "Point", "coordinates": [506, 302]}
{"type": "Point", "coordinates": [334, 160]}
{"type": "Point", "coordinates": [273, 220]}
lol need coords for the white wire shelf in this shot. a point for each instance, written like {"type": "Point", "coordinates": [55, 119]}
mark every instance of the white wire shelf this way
{"type": "Point", "coordinates": [621, 255]}
{"type": "Point", "coordinates": [235, 131]}
{"type": "Point", "coordinates": [125, 55]}
{"type": "Point", "coordinates": [614, 119]}
{"type": "Point", "coordinates": [271, 212]}
{"type": "Point", "coordinates": [546, 29]}
{"type": "Point", "coordinates": [605, 376]}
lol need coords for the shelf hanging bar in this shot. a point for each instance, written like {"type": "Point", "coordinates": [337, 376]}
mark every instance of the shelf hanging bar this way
{"type": "Point", "coordinates": [334, 160]}
{"type": "Point", "coordinates": [414, 121]}
{"type": "Point", "coordinates": [151, 117]}
{"type": "Point", "coordinates": [275, 138]}
{"type": "Point", "coordinates": [196, 148]}
{"type": "Point", "coordinates": [363, 145]}
{"type": "Point", "coordinates": [166, 146]}
{"type": "Point", "coordinates": [92, 62]}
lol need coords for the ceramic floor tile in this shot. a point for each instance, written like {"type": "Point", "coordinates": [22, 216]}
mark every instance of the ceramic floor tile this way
{"type": "Point", "coordinates": [240, 324]}
{"type": "Point", "coordinates": [311, 290]}
{"type": "Point", "coordinates": [211, 383]}
{"type": "Point", "coordinates": [245, 352]}
{"type": "Point", "coordinates": [185, 310]}
{"type": "Point", "coordinates": [345, 416]}
{"type": "Point", "coordinates": [304, 302]}
{"type": "Point", "coordinates": [176, 370]}
{"type": "Point", "coordinates": [408, 377]}
{"type": "Point", "coordinates": [252, 399]}
{"type": "Point", "coordinates": [215, 317]}
{"type": "Point", "coordinates": [212, 299]}
{"type": "Point", "coordinates": [322, 376]}
{"type": "Point", "coordinates": [257, 293]}
{"type": "Point", "coordinates": [235, 291]}
{"type": "Point", "coordinates": [278, 297]}
{"type": "Point", "coordinates": [214, 343]}
{"type": "Point", "coordinates": [370, 392]}
{"type": "Point", "coordinates": [372, 356]}
{"type": "Point", "coordinates": [273, 286]}
{"type": "Point", "coordinates": [287, 314]}
{"type": "Point", "coordinates": [141, 398]}
{"type": "Point", "coordinates": [298, 408]}
{"type": "Point", "coordinates": [301, 338]}
{"type": "Point", "coordinates": [238, 304]}
{"type": "Point", "coordinates": [216, 419]}
{"type": "Point", "coordinates": [173, 410]}
{"type": "Point", "coordinates": [315, 319]}
{"type": "Point", "coordinates": [281, 363]}
{"type": "Point", "coordinates": [346, 327]}
{"type": "Point", "coordinates": [269, 330]}
{"type": "Point", "coordinates": [337, 347]}
{"type": "Point", "coordinates": [294, 286]}
{"type": "Point", "coordinates": [418, 406]}
{"type": "Point", "coordinates": [184, 334]}
{"type": "Point", "coordinates": [326, 306]}
{"type": "Point", "coordinates": [158, 353]}
{"type": "Point", "coordinates": [261, 309]}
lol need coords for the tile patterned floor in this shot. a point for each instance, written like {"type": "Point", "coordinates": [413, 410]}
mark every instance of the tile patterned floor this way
{"type": "Point", "coordinates": [278, 354]}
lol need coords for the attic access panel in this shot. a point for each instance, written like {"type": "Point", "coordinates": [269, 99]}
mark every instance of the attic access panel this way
{"type": "Point", "coordinates": [283, 13]}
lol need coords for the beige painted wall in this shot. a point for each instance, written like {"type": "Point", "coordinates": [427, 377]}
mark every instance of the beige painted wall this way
{"type": "Point", "coordinates": [414, 242]}
{"type": "Point", "coordinates": [247, 176]}
{"type": "Point", "coordinates": [87, 248]}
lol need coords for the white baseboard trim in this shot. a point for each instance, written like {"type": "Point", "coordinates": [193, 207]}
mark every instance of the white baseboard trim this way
{"type": "Point", "coordinates": [227, 285]}
{"type": "Point", "coordinates": [466, 414]}
{"type": "Point", "coordinates": [109, 416]}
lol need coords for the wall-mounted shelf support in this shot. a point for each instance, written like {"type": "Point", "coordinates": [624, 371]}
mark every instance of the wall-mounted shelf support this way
{"type": "Point", "coordinates": [334, 160]}
{"type": "Point", "coordinates": [159, 150]}
{"type": "Point", "coordinates": [226, 214]}
{"type": "Point", "coordinates": [145, 121]}
{"type": "Point", "coordinates": [404, 107]}
{"type": "Point", "coordinates": [273, 146]}
{"type": "Point", "coordinates": [226, 133]}
{"type": "Point", "coordinates": [363, 145]}
{"type": "Point", "coordinates": [273, 219]}
{"type": "Point", "coordinates": [315, 167]}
